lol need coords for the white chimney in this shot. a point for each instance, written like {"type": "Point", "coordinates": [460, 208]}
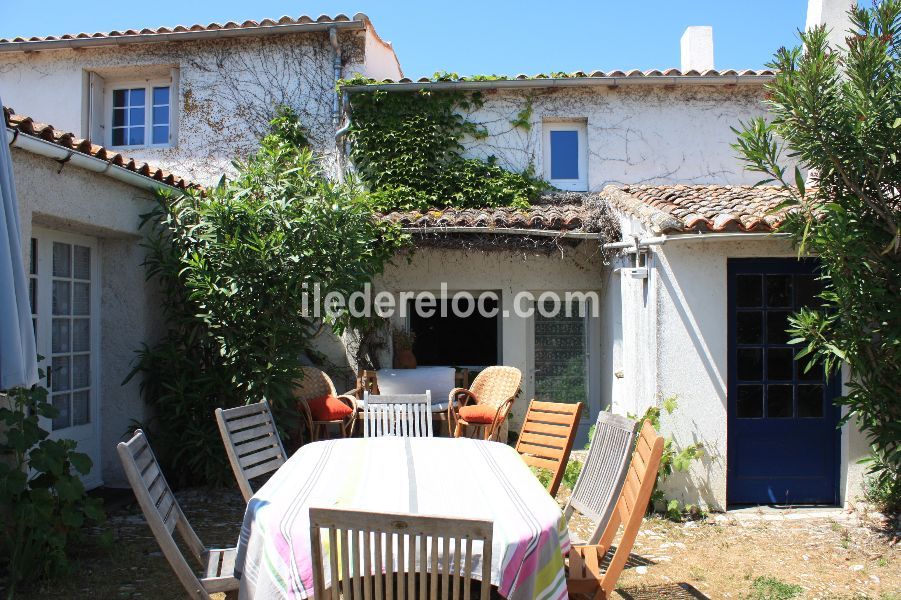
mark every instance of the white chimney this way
{"type": "Point", "coordinates": [697, 48]}
{"type": "Point", "coordinates": [834, 14]}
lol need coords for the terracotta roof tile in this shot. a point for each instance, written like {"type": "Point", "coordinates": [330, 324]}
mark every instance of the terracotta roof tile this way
{"type": "Point", "coordinates": [561, 211]}
{"type": "Point", "coordinates": [632, 73]}
{"type": "Point", "coordinates": [123, 35]}
{"type": "Point", "coordinates": [704, 208]}
{"type": "Point", "coordinates": [23, 125]}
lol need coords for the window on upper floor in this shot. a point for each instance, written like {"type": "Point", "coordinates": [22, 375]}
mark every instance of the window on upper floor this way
{"type": "Point", "coordinates": [129, 112]}
{"type": "Point", "coordinates": [140, 116]}
{"type": "Point", "coordinates": [566, 155]}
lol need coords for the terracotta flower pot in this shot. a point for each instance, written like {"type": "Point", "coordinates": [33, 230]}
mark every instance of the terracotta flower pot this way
{"type": "Point", "coordinates": [404, 359]}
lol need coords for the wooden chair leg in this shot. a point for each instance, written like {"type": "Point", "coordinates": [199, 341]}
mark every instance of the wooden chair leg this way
{"type": "Point", "coordinates": [458, 430]}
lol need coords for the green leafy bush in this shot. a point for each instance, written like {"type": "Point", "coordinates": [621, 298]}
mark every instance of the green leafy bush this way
{"type": "Point", "coordinates": [43, 503]}
{"type": "Point", "coordinates": [836, 112]}
{"type": "Point", "coordinates": [674, 459]}
{"type": "Point", "coordinates": [407, 148]}
{"type": "Point", "coordinates": [234, 265]}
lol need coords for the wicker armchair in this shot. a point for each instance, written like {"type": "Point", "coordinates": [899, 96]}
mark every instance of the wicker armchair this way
{"type": "Point", "coordinates": [495, 388]}
{"type": "Point", "coordinates": [317, 384]}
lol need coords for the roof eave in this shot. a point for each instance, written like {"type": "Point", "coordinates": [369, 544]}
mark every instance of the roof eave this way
{"type": "Point", "coordinates": [653, 80]}
{"type": "Point", "coordinates": [179, 36]}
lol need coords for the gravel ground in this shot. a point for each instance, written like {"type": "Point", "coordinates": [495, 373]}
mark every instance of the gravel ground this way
{"type": "Point", "coordinates": [831, 555]}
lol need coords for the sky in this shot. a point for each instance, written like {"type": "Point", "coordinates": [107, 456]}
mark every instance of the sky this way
{"type": "Point", "coordinates": [473, 36]}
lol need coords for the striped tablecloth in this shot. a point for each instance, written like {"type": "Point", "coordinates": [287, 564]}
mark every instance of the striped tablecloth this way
{"type": "Point", "coordinates": [431, 476]}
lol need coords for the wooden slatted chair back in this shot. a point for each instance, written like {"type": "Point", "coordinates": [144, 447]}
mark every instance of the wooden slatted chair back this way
{"type": "Point", "coordinates": [365, 550]}
{"type": "Point", "coordinates": [403, 415]}
{"type": "Point", "coordinates": [251, 441]}
{"type": "Point", "coordinates": [604, 471]}
{"type": "Point", "coordinates": [547, 435]}
{"type": "Point", "coordinates": [164, 515]}
{"type": "Point", "coordinates": [586, 562]}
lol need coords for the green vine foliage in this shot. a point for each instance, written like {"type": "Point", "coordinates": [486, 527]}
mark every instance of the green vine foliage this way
{"type": "Point", "coordinates": [407, 147]}
{"type": "Point", "coordinates": [43, 504]}
{"type": "Point", "coordinates": [235, 265]}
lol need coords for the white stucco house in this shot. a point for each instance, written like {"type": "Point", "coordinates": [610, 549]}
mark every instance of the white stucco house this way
{"type": "Point", "coordinates": [657, 230]}
{"type": "Point", "coordinates": [80, 207]}
{"type": "Point", "coordinates": [193, 98]}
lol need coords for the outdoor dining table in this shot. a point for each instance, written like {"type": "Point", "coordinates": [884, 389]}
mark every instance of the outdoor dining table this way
{"type": "Point", "coordinates": [425, 476]}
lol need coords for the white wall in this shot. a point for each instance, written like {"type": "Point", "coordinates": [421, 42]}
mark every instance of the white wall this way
{"type": "Point", "coordinates": [682, 329]}
{"type": "Point", "coordinates": [77, 201]}
{"type": "Point", "coordinates": [647, 134]}
{"type": "Point", "coordinates": [508, 272]}
{"type": "Point", "coordinates": [228, 91]}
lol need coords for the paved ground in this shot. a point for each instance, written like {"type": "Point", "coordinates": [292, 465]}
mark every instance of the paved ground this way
{"type": "Point", "coordinates": [751, 554]}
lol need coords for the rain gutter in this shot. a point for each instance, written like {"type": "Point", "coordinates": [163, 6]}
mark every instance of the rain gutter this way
{"type": "Point", "coordinates": [17, 139]}
{"type": "Point", "coordinates": [177, 36]}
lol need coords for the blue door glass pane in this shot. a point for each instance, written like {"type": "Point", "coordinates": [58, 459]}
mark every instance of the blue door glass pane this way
{"type": "Point", "coordinates": [564, 155]}
{"type": "Point", "coordinates": [119, 97]}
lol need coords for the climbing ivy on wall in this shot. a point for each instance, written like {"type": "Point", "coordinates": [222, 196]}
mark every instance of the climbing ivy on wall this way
{"type": "Point", "coordinates": [407, 147]}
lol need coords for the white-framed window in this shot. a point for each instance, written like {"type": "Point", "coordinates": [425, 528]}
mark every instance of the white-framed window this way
{"type": "Point", "coordinates": [566, 155]}
{"type": "Point", "coordinates": [134, 110]}
{"type": "Point", "coordinates": [139, 114]}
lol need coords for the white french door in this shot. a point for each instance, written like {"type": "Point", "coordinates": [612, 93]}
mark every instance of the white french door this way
{"type": "Point", "coordinates": [64, 273]}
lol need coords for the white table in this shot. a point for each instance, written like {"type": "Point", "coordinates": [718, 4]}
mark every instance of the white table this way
{"type": "Point", "coordinates": [440, 380]}
{"type": "Point", "coordinates": [432, 476]}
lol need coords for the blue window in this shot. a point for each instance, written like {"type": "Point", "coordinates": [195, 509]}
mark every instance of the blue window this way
{"type": "Point", "coordinates": [161, 115]}
{"type": "Point", "coordinates": [564, 155]}
{"type": "Point", "coordinates": [128, 117]}
{"type": "Point", "coordinates": [141, 116]}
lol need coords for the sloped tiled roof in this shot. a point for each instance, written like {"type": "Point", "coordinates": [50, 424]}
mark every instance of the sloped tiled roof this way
{"type": "Point", "coordinates": [265, 26]}
{"type": "Point", "coordinates": [560, 78]}
{"type": "Point", "coordinates": [703, 208]}
{"type": "Point", "coordinates": [561, 211]}
{"type": "Point", "coordinates": [23, 125]}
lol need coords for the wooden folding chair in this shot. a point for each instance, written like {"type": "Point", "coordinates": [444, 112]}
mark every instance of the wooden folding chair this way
{"type": "Point", "coordinates": [604, 471]}
{"type": "Point", "coordinates": [164, 516]}
{"type": "Point", "coordinates": [429, 554]}
{"type": "Point", "coordinates": [251, 441]}
{"type": "Point", "coordinates": [587, 576]}
{"type": "Point", "coordinates": [403, 415]}
{"type": "Point", "coordinates": [547, 437]}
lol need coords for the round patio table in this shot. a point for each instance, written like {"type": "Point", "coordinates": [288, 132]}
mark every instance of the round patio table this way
{"type": "Point", "coordinates": [428, 476]}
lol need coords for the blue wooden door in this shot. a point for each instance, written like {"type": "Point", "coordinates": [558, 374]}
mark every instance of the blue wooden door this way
{"type": "Point", "coordinates": [783, 444]}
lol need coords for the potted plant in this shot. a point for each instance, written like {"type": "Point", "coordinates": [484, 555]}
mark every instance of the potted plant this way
{"type": "Point", "coordinates": [403, 349]}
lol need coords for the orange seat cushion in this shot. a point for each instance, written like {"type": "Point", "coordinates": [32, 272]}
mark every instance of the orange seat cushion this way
{"type": "Point", "coordinates": [478, 413]}
{"type": "Point", "coordinates": [328, 408]}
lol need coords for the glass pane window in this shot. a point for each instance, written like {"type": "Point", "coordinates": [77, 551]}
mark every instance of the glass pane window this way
{"type": "Point", "coordinates": [81, 408]}
{"type": "Point", "coordinates": [564, 154]}
{"type": "Point", "coordinates": [62, 260]}
{"type": "Point", "coordinates": [61, 404]}
{"type": "Point", "coordinates": [561, 366]}
{"type": "Point", "coordinates": [82, 266]}
{"type": "Point", "coordinates": [129, 117]}
{"type": "Point", "coordinates": [160, 115]}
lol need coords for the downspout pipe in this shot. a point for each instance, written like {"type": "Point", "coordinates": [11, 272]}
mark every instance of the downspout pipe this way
{"type": "Point", "coordinates": [336, 100]}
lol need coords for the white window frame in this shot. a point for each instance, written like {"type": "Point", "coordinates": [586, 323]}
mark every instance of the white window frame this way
{"type": "Point", "coordinates": [148, 85]}
{"type": "Point", "coordinates": [580, 127]}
